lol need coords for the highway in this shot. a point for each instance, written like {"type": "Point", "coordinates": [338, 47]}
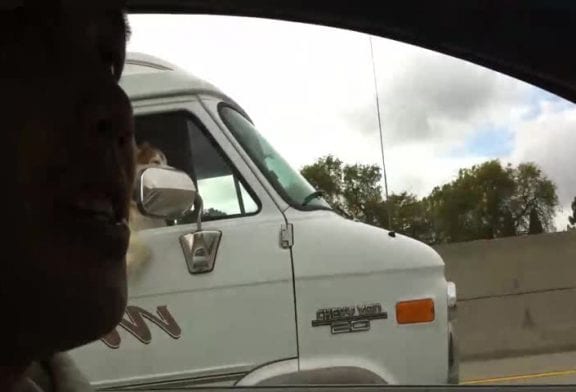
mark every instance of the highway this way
{"type": "Point", "coordinates": [556, 368]}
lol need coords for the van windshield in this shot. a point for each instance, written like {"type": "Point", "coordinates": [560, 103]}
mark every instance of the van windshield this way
{"type": "Point", "coordinates": [289, 183]}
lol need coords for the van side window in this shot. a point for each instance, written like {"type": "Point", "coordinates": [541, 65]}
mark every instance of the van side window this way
{"type": "Point", "coordinates": [187, 147]}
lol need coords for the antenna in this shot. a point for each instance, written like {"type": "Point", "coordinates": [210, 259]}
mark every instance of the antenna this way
{"type": "Point", "coordinates": [380, 131]}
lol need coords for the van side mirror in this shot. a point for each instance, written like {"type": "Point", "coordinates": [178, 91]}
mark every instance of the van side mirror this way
{"type": "Point", "coordinates": [165, 193]}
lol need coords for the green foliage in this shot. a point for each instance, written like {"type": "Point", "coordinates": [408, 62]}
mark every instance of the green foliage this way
{"type": "Point", "coordinates": [326, 175]}
{"type": "Point", "coordinates": [535, 226]}
{"type": "Point", "coordinates": [473, 205]}
{"type": "Point", "coordinates": [572, 219]}
{"type": "Point", "coordinates": [485, 201]}
{"type": "Point", "coordinates": [534, 200]}
{"type": "Point", "coordinates": [408, 216]}
{"type": "Point", "coordinates": [355, 190]}
{"type": "Point", "coordinates": [192, 216]}
{"type": "Point", "coordinates": [490, 201]}
{"type": "Point", "coordinates": [361, 191]}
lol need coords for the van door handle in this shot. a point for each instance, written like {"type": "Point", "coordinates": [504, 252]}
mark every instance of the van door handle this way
{"type": "Point", "coordinates": [200, 249]}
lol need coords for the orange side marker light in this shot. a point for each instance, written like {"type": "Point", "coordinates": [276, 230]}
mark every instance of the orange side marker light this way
{"type": "Point", "coordinates": [416, 311]}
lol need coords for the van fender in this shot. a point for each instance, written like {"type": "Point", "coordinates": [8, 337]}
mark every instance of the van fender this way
{"type": "Point", "coordinates": [320, 372]}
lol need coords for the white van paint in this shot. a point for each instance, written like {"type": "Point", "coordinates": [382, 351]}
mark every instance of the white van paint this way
{"type": "Point", "coordinates": [249, 321]}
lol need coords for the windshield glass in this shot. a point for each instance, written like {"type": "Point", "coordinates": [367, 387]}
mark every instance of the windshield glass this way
{"type": "Point", "coordinates": [288, 182]}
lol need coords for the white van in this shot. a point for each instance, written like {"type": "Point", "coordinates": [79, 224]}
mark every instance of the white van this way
{"type": "Point", "coordinates": [286, 291]}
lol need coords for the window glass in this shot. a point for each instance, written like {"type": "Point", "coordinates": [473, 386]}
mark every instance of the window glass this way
{"type": "Point", "coordinates": [287, 181]}
{"type": "Point", "coordinates": [186, 147]}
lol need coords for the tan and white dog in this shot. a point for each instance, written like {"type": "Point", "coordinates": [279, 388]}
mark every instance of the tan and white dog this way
{"type": "Point", "coordinates": [138, 253]}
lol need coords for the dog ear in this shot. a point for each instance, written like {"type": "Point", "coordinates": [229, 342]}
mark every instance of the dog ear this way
{"type": "Point", "coordinates": [147, 153]}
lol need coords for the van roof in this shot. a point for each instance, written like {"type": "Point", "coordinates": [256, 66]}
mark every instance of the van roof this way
{"type": "Point", "coordinates": [147, 77]}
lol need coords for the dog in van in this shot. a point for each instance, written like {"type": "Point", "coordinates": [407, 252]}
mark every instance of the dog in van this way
{"type": "Point", "coordinates": [138, 253]}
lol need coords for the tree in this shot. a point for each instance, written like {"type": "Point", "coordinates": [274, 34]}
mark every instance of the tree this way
{"type": "Point", "coordinates": [572, 219]}
{"type": "Point", "coordinates": [474, 205]}
{"type": "Point", "coordinates": [490, 201]}
{"type": "Point", "coordinates": [326, 175]}
{"type": "Point", "coordinates": [361, 191]}
{"type": "Point", "coordinates": [485, 201]}
{"type": "Point", "coordinates": [405, 214]}
{"type": "Point", "coordinates": [192, 216]}
{"type": "Point", "coordinates": [352, 189]}
{"type": "Point", "coordinates": [535, 225]}
{"type": "Point", "coordinates": [355, 190]}
{"type": "Point", "coordinates": [212, 213]}
{"type": "Point", "coordinates": [534, 200]}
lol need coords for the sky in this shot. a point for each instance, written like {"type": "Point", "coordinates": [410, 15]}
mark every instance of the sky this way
{"type": "Point", "coordinates": [311, 92]}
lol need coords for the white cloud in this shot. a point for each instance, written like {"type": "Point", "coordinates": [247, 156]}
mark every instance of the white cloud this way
{"type": "Point", "coordinates": [549, 140]}
{"type": "Point", "coordinates": [418, 168]}
{"type": "Point", "coordinates": [427, 96]}
{"type": "Point", "coordinates": [296, 81]}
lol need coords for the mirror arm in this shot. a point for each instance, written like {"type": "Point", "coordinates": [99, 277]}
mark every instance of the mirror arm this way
{"type": "Point", "coordinates": [199, 206]}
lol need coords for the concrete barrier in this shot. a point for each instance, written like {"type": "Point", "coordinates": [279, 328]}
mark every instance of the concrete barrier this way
{"type": "Point", "coordinates": [516, 295]}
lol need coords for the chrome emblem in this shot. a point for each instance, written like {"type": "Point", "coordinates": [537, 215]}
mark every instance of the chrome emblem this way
{"type": "Point", "coordinates": [347, 319]}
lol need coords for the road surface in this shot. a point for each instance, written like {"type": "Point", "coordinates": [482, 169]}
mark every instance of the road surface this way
{"type": "Point", "coordinates": [556, 368]}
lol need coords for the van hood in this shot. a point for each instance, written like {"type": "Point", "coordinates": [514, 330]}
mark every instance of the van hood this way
{"type": "Point", "coordinates": [335, 245]}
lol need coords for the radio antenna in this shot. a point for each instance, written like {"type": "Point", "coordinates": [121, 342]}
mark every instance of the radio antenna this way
{"type": "Point", "coordinates": [389, 211]}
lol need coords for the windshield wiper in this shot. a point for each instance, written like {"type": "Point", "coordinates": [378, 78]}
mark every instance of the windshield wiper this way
{"type": "Point", "coordinates": [343, 213]}
{"type": "Point", "coordinates": [312, 196]}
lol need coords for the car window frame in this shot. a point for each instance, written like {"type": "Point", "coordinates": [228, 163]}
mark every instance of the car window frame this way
{"type": "Point", "coordinates": [203, 129]}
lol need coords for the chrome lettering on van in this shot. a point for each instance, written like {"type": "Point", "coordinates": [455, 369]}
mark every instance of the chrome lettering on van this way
{"type": "Point", "coordinates": [136, 325]}
{"type": "Point", "coordinates": [346, 319]}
